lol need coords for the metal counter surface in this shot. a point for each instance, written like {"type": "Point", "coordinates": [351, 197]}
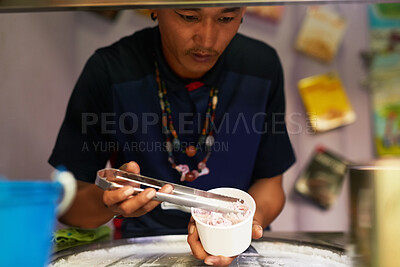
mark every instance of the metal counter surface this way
{"type": "Point", "coordinates": [273, 249]}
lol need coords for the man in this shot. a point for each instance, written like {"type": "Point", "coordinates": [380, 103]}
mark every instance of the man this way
{"type": "Point", "coordinates": [190, 102]}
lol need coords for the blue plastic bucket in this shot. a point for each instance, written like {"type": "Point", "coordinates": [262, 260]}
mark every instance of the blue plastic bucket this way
{"type": "Point", "coordinates": [27, 220]}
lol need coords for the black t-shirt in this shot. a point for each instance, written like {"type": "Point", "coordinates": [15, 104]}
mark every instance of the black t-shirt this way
{"type": "Point", "coordinates": [114, 114]}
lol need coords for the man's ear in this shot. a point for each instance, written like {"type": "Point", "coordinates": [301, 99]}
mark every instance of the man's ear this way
{"type": "Point", "coordinates": [242, 11]}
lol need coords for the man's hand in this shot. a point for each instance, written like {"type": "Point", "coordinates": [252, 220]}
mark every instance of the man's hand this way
{"type": "Point", "coordinates": [199, 252]}
{"type": "Point", "coordinates": [123, 202]}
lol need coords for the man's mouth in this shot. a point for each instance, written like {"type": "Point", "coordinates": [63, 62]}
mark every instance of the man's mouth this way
{"type": "Point", "coordinates": [201, 57]}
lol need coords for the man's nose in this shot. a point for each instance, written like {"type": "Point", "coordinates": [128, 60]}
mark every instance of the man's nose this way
{"type": "Point", "coordinates": [206, 34]}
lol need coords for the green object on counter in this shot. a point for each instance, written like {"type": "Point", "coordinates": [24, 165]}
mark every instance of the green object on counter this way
{"type": "Point", "coordinates": [78, 235]}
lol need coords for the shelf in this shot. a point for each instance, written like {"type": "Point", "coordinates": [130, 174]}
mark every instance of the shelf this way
{"type": "Point", "coordinates": [9, 6]}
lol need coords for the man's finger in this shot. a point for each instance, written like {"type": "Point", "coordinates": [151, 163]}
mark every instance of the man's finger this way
{"type": "Point", "coordinates": [218, 260]}
{"type": "Point", "coordinates": [257, 231]}
{"type": "Point", "coordinates": [115, 196]}
{"type": "Point", "coordinates": [194, 241]}
{"type": "Point", "coordinates": [154, 203]}
{"type": "Point", "coordinates": [139, 201]}
{"type": "Point", "coordinates": [131, 166]}
{"type": "Point", "coordinates": [143, 203]}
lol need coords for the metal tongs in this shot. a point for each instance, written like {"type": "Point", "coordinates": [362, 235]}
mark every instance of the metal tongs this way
{"type": "Point", "coordinates": [109, 179]}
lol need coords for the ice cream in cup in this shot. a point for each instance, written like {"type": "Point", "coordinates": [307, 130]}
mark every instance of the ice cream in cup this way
{"type": "Point", "coordinates": [226, 234]}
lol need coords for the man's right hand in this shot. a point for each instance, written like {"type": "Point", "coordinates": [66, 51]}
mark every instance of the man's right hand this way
{"type": "Point", "coordinates": [123, 202]}
{"type": "Point", "coordinates": [93, 207]}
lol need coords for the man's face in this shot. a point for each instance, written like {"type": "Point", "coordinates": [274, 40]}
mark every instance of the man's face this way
{"type": "Point", "coordinates": [193, 39]}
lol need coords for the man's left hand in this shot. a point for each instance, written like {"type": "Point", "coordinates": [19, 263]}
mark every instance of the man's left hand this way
{"type": "Point", "coordinates": [199, 252]}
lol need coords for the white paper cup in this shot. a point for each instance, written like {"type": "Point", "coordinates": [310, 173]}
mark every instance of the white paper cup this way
{"type": "Point", "coordinates": [230, 240]}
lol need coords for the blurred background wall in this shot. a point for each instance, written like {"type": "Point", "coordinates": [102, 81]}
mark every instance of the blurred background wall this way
{"type": "Point", "coordinates": [42, 54]}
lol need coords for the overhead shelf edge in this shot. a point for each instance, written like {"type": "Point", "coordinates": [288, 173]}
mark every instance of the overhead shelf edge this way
{"type": "Point", "coordinates": [11, 6]}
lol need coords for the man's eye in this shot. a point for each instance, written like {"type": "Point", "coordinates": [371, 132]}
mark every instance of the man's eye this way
{"type": "Point", "coordinates": [189, 18]}
{"type": "Point", "coordinates": [226, 19]}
